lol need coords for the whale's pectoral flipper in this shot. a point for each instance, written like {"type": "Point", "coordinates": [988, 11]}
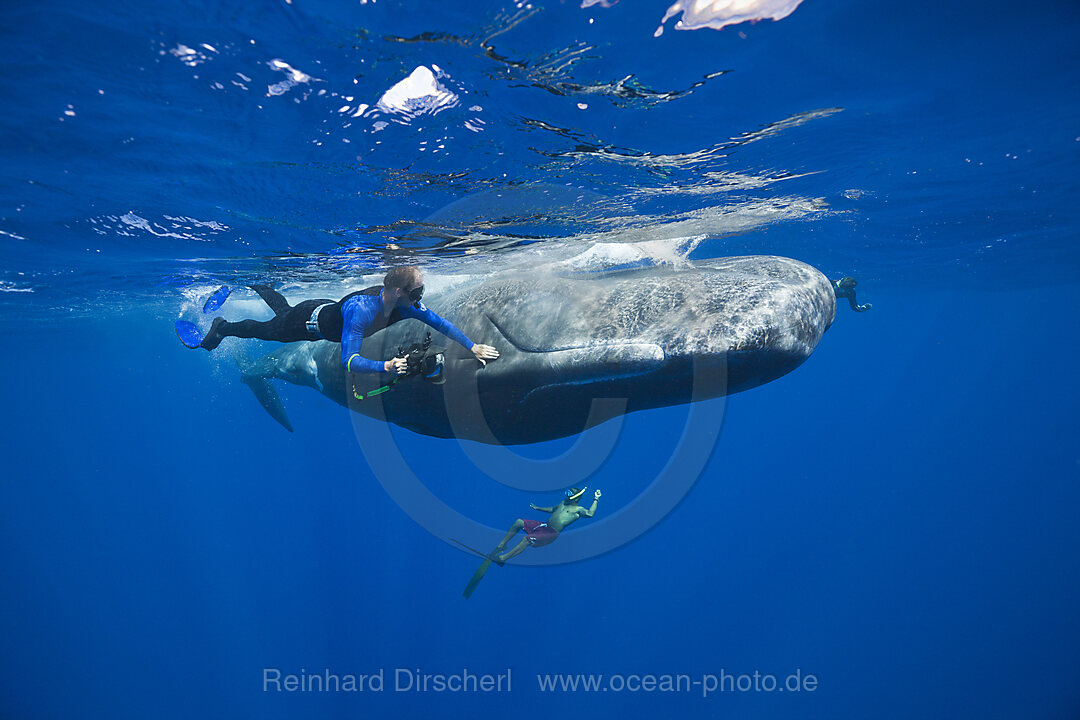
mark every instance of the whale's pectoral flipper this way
{"type": "Point", "coordinates": [264, 390]}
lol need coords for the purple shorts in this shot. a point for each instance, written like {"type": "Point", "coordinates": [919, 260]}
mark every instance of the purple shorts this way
{"type": "Point", "coordinates": [538, 533]}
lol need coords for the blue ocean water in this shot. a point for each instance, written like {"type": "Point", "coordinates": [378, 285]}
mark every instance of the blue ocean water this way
{"type": "Point", "coordinates": [896, 518]}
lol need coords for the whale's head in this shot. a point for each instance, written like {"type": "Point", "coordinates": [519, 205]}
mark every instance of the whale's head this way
{"type": "Point", "coordinates": [653, 336]}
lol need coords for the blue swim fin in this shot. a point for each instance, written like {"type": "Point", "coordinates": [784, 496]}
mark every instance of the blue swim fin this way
{"type": "Point", "coordinates": [188, 333]}
{"type": "Point", "coordinates": [215, 301]}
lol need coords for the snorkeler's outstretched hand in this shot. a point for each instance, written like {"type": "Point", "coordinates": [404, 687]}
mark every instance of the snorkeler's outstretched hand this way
{"type": "Point", "coordinates": [484, 353]}
{"type": "Point", "coordinates": [596, 495]}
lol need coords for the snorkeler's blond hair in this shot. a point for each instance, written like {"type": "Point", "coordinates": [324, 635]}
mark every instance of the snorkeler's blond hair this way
{"type": "Point", "coordinates": [401, 277]}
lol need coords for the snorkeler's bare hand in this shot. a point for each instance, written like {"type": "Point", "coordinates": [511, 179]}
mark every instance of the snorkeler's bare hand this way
{"type": "Point", "coordinates": [396, 366]}
{"type": "Point", "coordinates": [596, 495]}
{"type": "Point", "coordinates": [484, 353]}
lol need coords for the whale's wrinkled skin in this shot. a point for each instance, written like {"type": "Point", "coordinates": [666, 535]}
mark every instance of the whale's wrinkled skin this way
{"type": "Point", "coordinates": [651, 337]}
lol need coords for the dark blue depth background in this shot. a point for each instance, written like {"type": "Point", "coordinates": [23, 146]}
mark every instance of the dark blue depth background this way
{"type": "Point", "coordinates": [896, 517]}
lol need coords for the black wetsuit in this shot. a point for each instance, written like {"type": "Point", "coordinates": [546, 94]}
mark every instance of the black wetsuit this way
{"type": "Point", "coordinates": [290, 322]}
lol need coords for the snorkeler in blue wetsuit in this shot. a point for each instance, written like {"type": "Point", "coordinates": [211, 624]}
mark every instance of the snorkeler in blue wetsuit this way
{"type": "Point", "coordinates": [348, 321]}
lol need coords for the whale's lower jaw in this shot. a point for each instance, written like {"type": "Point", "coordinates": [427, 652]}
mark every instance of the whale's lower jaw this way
{"type": "Point", "coordinates": [564, 409]}
{"type": "Point", "coordinates": [552, 410]}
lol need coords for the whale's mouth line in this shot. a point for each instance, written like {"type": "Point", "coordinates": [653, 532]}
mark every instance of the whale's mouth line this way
{"type": "Point", "coordinates": [597, 346]}
{"type": "Point", "coordinates": [583, 382]}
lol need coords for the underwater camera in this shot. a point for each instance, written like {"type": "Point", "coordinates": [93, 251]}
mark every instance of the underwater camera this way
{"type": "Point", "coordinates": [423, 362]}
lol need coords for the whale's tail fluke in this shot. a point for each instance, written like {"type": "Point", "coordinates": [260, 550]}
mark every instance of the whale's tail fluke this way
{"type": "Point", "coordinates": [264, 390]}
